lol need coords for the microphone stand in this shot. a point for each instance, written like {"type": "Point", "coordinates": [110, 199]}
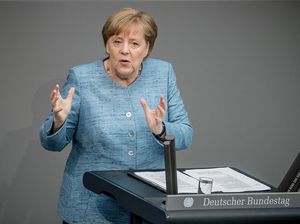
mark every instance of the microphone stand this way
{"type": "Point", "coordinates": [170, 164]}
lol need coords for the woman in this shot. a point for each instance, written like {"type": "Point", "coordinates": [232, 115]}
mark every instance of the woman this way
{"type": "Point", "coordinates": [116, 112]}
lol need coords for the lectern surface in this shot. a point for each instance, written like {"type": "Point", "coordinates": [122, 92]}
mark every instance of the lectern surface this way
{"type": "Point", "coordinates": [147, 202]}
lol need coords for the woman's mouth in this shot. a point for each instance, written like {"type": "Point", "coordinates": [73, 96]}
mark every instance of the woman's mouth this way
{"type": "Point", "coordinates": [124, 62]}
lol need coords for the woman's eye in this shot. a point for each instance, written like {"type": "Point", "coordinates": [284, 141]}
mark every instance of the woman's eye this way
{"type": "Point", "coordinates": [117, 42]}
{"type": "Point", "coordinates": [135, 44]}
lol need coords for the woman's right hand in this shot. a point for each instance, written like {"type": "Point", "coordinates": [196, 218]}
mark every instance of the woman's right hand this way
{"type": "Point", "coordinates": [60, 107]}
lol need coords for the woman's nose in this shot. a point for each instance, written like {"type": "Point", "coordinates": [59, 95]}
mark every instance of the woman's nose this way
{"type": "Point", "coordinates": [125, 49]}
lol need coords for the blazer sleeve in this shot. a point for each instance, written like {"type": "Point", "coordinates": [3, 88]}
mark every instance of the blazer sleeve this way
{"type": "Point", "coordinates": [178, 123]}
{"type": "Point", "coordinates": [58, 140]}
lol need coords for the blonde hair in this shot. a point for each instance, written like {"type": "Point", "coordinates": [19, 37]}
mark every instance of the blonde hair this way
{"type": "Point", "coordinates": [117, 22]}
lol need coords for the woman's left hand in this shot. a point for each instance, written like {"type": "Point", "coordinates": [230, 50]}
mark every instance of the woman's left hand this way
{"type": "Point", "coordinates": [154, 117]}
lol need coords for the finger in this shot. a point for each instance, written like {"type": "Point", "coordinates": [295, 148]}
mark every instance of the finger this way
{"type": "Point", "coordinates": [54, 92]}
{"type": "Point", "coordinates": [52, 95]}
{"type": "Point", "coordinates": [55, 104]}
{"type": "Point", "coordinates": [54, 98]}
{"type": "Point", "coordinates": [57, 109]}
{"type": "Point", "coordinates": [71, 94]}
{"type": "Point", "coordinates": [161, 109]}
{"type": "Point", "coordinates": [162, 102]}
{"type": "Point", "coordinates": [159, 112]}
{"type": "Point", "coordinates": [57, 89]}
{"type": "Point", "coordinates": [144, 105]}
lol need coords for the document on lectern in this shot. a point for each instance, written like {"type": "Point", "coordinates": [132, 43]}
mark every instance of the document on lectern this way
{"type": "Point", "coordinates": [186, 184]}
{"type": "Point", "coordinates": [225, 179]}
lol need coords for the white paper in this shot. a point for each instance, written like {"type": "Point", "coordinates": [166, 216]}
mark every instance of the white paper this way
{"type": "Point", "coordinates": [224, 180]}
{"type": "Point", "coordinates": [228, 180]}
{"type": "Point", "coordinates": [186, 184]}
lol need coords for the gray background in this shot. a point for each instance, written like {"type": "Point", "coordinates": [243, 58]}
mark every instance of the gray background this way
{"type": "Point", "coordinates": [237, 65]}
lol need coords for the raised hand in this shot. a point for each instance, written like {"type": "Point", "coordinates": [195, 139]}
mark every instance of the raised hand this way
{"type": "Point", "coordinates": [60, 107]}
{"type": "Point", "coordinates": [154, 117]}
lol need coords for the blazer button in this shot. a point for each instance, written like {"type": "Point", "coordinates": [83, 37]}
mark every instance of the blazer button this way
{"type": "Point", "coordinates": [130, 133]}
{"type": "Point", "coordinates": [128, 114]}
{"type": "Point", "coordinates": [130, 152]}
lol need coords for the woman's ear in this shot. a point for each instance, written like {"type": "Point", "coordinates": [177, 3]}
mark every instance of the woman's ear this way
{"type": "Point", "coordinates": [107, 50]}
{"type": "Point", "coordinates": [147, 50]}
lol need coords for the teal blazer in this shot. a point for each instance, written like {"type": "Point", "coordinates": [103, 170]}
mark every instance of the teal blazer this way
{"type": "Point", "coordinates": [108, 131]}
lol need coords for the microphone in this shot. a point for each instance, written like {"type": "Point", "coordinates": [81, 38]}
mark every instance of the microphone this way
{"type": "Point", "coordinates": [170, 164]}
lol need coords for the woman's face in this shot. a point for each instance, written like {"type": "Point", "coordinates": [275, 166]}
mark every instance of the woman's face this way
{"type": "Point", "coordinates": [126, 52]}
